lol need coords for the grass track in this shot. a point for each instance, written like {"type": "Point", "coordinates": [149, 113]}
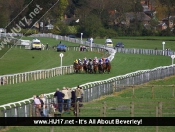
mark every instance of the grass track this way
{"type": "Point", "coordinates": [122, 64]}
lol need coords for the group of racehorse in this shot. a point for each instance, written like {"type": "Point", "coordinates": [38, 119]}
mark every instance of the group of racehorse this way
{"type": "Point", "coordinates": [93, 67]}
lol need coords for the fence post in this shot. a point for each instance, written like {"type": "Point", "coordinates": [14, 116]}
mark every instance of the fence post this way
{"type": "Point", "coordinates": [103, 114]}
{"type": "Point", "coordinates": [152, 89]}
{"type": "Point", "coordinates": [31, 110]}
{"type": "Point", "coordinates": [104, 109]}
{"type": "Point", "coordinates": [160, 109]}
{"type": "Point", "coordinates": [133, 96]}
{"type": "Point", "coordinates": [173, 91]}
{"type": "Point", "coordinates": [132, 108]}
{"type": "Point", "coordinates": [77, 109]}
{"type": "Point", "coordinates": [157, 115]}
{"type": "Point", "coordinates": [52, 111]}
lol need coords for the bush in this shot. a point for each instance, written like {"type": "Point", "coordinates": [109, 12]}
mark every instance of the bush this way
{"type": "Point", "coordinates": [111, 33]}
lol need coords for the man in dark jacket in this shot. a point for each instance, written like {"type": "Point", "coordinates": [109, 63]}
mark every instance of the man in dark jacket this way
{"type": "Point", "coordinates": [59, 96]}
{"type": "Point", "coordinates": [73, 98]}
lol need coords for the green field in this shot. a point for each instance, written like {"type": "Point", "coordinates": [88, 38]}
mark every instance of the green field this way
{"type": "Point", "coordinates": [150, 42]}
{"type": "Point", "coordinates": [122, 64]}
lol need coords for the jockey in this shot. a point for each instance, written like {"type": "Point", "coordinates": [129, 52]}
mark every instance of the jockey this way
{"type": "Point", "coordinates": [85, 60]}
{"type": "Point", "coordinates": [100, 61]}
{"type": "Point", "coordinates": [103, 59]}
{"type": "Point", "coordinates": [79, 61]}
{"type": "Point", "coordinates": [106, 60]}
{"type": "Point", "coordinates": [90, 63]}
{"type": "Point", "coordinates": [76, 61]}
{"type": "Point", "coordinates": [96, 60]}
{"type": "Point", "coordinates": [90, 60]}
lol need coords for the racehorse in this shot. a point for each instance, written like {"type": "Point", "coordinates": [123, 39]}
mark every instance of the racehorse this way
{"type": "Point", "coordinates": [106, 67]}
{"type": "Point", "coordinates": [90, 67]}
{"type": "Point", "coordinates": [77, 68]}
{"type": "Point", "coordinates": [85, 67]}
{"type": "Point", "coordinates": [95, 67]}
{"type": "Point", "coordinates": [100, 68]}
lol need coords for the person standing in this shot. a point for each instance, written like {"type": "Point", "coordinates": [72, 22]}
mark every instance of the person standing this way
{"type": "Point", "coordinates": [37, 105]}
{"type": "Point", "coordinates": [59, 96]}
{"type": "Point", "coordinates": [69, 98]}
{"type": "Point", "coordinates": [65, 98]}
{"type": "Point", "coordinates": [44, 108]}
{"type": "Point", "coordinates": [78, 93]}
{"type": "Point", "coordinates": [47, 46]}
{"type": "Point", "coordinates": [73, 98]}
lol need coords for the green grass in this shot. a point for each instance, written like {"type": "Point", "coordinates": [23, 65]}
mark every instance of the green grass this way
{"type": "Point", "coordinates": [3, 51]}
{"type": "Point", "coordinates": [122, 64]}
{"type": "Point", "coordinates": [162, 38]}
{"type": "Point", "coordinates": [141, 44]}
{"type": "Point", "coordinates": [51, 41]}
{"type": "Point", "coordinates": [21, 60]}
{"type": "Point", "coordinates": [151, 42]}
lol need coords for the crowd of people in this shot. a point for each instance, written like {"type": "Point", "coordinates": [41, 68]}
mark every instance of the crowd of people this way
{"type": "Point", "coordinates": [65, 100]}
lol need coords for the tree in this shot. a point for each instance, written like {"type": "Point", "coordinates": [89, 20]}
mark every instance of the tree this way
{"type": "Point", "coordinates": [91, 24]}
{"type": "Point", "coordinates": [166, 8]}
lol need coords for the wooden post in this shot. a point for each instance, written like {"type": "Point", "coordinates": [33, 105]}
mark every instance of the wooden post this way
{"type": "Point", "coordinates": [52, 111]}
{"type": "Point", "coordinates": [152, 88]}
{"type": "Point", "coordinates": [132, 108]}
{"type": "Point", "coordinates": [157, 115]}
{"type": "Point", "coordinates": [160, 109]}
{"type": "Point", "coordinates": [77, 110]}
{"type": "Point", "coordinates": [31, 110]}
{"type": "Point", "coordinates": [133, 92]}
{"type": "Point", "coordinates": [104, 109]}
{"type": "Point", "coordinates": [173, 91]}
{"type": "Point", "coordinates": [101, 113]}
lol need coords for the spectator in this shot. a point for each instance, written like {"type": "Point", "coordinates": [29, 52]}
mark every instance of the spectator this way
{"type": "Point", "coordinates": [81, 48]}
{"type": "Point", "coordinates": [69, 98]}
{"type": "Point", "coordinates": [47, 46]}
{"type": "Point", "coordinates": [44, 107]}
{"type": "Point", "coordinates": [78, 93]}
{"type": "Point", "coordinates": [37, 105]}
{"type": "Point", "coordinates": [3, 80]}
{"type": "Point", "coordinates": [73, 98]}
{"type": "Point", "coordinates": [65, 99]}
{"type": "Point", "coordinates": [59, 96]}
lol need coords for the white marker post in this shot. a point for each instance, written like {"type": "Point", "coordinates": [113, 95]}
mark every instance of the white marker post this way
{"type": "Point", "coordinates": [172, 57]}
{"type": "Point", "coordinates": [91, 39]}
{"type": "Point", "coordinates": [61, 56]}
{"type": "Point", "coordinates": [81, 36]}
{"type": "Point", "coordinates": [163, 43]}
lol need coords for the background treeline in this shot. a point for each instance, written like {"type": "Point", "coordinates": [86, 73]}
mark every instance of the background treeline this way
{"type": "Point", "coordinates": [97, 18]}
